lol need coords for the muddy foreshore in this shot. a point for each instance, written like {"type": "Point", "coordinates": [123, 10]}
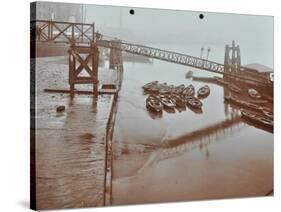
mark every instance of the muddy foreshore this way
{"type": "Point", "coordinates": [70, 145]}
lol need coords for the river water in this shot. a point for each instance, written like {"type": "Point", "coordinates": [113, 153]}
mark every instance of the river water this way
{"type": "Point", "coordinates": [176, 157]}
{"type": "Point", "coordinates": [158, 159]}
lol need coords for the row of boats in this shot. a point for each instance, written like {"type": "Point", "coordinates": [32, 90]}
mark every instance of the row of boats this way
{"type": "Point", "coordinates": [168, 97]}
{"type": "Point", "coordinates": [252, 112]}
{"type": "Point", "coordinates": [163, 88]}
{"type": "Point", "coordinates": [169, 102]}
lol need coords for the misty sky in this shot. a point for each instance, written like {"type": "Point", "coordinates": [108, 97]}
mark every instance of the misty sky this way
{"type": "Point", "coordinates": [254, 34]}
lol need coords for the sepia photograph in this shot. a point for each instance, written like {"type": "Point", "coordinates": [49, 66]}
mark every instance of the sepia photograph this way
{"type": "Point", "coordinates": [137, 105]}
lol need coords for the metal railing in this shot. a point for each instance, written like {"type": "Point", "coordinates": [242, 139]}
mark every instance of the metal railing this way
{"type": "Point", "coordinates": [165, 55]}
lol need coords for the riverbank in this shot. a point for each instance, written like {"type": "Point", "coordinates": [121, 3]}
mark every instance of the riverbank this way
{"type": "Point", "coordinates": [70, 145]}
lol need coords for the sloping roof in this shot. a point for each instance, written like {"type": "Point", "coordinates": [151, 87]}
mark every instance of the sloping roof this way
{"type": "Point", "coordinates": [259, 67]}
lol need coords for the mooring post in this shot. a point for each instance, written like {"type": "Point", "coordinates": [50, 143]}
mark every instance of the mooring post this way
{"type": "Point", "coordinates": [93, 32]}
{"type": "Point", "coordinates": [72, 33]}
{"type": "Point", "coordinates": [95, 64]}
{"type": "Point", "coordinates": [51, 30]}
{"type": "Point", "coordinates": [71, 62]}
{"type": "Point", "coordinates": [115, 60]}
{"type": "Point", "coordinates": [111, 57]}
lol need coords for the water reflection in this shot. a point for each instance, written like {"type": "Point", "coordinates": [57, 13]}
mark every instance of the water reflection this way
{"type": "Point", "coordinates": [154, 115]}
{"type": "Point", "coordinates": [203, 137]}
{"type": "Point", "coordinates": [199, 139]}
{"type": "Point", "coordinates": [195, 110]}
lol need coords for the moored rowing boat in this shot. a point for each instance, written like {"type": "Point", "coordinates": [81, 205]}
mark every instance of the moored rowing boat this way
{"type": "Point", "coordinates": [167, 101]}
{"type": "Point", "coordinates": [243, 103]}
{"type": "Point", "coordinates": [256, 118]}
{"type": "Point", "coordinates": [189, 90]}
{"type": "Point", "coordinates": [188, 74]}
{"type": "Point", "coordinates": [179, 100]}
{"type": "Point", "coordinates": [268, 114]}
{"type": "Point", "coordinates": [153, 103]}
{"type": "Point", "coordinates": [203, 91]}
{"type": "Point", "coordinates": [193, 102]}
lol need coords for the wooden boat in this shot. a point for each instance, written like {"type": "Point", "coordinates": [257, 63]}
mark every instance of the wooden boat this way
{"type": "Point", "coordinates": [258, 101]}
{"type": "Point", "coordinates": [188, 74]}
{"type": "Point", "coordinates": [242, 103]}
{"type": "Point", "coordinates": [256, 118]}
{"type": "Point", "coordinates": [153, 103]}
{"type": "Point", "coordinates": [164, 91]}
{"type": "Point", "coordinates": [268, 114]}
{"type": "Point", "coordinates": [148, 85]}
{"type": "Point", "coordinates": [193, 102]}
{"type": "Point", "coordinates": [179, 100]}
{"type": "Point", "coordinates": [152, 89]}
{"type": "Point", "coordinates": [172, 88]}
{"type": "Point", "coordinates": [179, 89]}
{"type": "Point", "coordinates": [254, 93]}
{"type": "Point", "coordinates": [162, 85]}
{"type": "Point", "coordinates": [267, 97]}
{"type": "Point", "coordinates": [163, 88]}
{"type": "Point", "coordinates": [187, 98]}
{"type": "Point", "coordinates": [252, 106]}
{"type": "Point", "coordinates": [167, 101]}
{"type": "Point", "coordinates": [234, 88]}
{"type": "Point", "coordinates": [189, 90]}
{"type": "Point", "coordinates": [203, 91]}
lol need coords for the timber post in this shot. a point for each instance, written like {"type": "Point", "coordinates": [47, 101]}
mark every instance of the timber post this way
{"type": "Point", "coordinates": [93, 32]}
{"type": "Point", "coordinates": [115, 60]}
{"type": "Point", "coordinates": [83, 59]}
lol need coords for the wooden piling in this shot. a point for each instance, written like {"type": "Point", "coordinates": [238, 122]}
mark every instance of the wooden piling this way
{"type": "Point", "coordinates": [81, 58]}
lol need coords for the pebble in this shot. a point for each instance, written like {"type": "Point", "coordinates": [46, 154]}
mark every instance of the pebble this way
{"type": "Point", "coordinates": [60, 108]}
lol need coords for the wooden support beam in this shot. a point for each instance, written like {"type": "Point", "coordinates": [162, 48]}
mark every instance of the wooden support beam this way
{"type": "Point", "coordinates": [85, 92]}
{"type": "Point", "coordinates": [82, 62]}
{"type": "Point", "coordinates": [81, 66]}
{"type": "Point", "coordinates": [75, 55]}
{"type": "Point", "coordinates": [61, 31]}
{"type": "Point", "coordinates": [83, 32]}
